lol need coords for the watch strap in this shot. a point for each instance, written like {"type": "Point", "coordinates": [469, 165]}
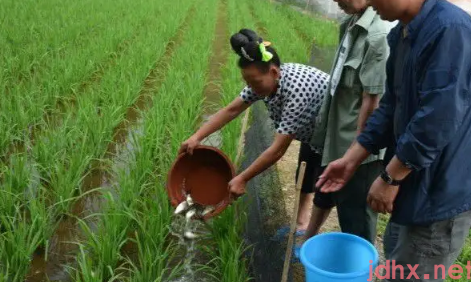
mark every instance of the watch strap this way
{"type": "Point", "coordinates": [388, 179]}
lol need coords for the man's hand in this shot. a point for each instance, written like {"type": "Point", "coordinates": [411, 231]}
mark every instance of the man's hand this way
{"type": "Point", "coordinates": [189, 145]}
{"type": "Point", "coordinates": [381, 196]}
{"type": "Point", "coordinates": [237, 187]}
{"type": "Point", "coordinates": [336, 175]}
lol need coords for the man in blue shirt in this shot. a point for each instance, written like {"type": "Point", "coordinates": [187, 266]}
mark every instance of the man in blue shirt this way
{"type": "Point", "coordinates": [424, 121]}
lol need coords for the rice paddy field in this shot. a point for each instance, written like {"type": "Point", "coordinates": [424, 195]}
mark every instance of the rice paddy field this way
{"type": "Point", "coordinates": [97, 96]}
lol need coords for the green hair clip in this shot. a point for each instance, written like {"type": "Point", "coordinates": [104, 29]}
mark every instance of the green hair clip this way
{"type": "Point", "coordinates": [266, 56]}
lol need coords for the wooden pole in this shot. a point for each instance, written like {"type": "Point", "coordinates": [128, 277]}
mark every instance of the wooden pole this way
{"type": "Point", "coordinates": [289, 246]}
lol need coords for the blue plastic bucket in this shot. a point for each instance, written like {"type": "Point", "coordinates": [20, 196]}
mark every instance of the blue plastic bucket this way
{"type": "Point", "coordinates": [338, 257]}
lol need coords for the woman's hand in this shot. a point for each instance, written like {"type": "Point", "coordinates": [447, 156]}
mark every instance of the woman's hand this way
{"type": "Point", "coordinates": [237, 187]}
{"type": "Point", "coordinates": [189, 145]}
{"type": "Point", "coordinates": [215, 123]}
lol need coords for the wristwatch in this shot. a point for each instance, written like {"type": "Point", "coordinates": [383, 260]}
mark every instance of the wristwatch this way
{"type": "Point", "coordinates": [388, 179]}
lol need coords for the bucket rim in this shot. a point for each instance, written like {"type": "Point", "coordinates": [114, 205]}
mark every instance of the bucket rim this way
{"type": "Point", "coordinates": [312, 267]}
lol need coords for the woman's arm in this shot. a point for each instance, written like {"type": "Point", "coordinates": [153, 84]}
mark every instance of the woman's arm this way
{"type": "Point", "coordinates": [268, 158]}
{"type": "Point", "coordinates": [216, 122]}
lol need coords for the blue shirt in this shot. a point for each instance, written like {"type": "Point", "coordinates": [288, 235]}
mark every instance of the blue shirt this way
{"type": "Point", "coordinates": [424, 118]}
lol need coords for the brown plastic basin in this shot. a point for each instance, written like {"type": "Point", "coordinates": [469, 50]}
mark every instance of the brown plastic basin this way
{"type": "Point", "coordinates": [205, 175]}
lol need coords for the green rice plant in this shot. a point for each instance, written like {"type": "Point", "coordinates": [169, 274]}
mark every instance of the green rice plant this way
{"type": "Point", "coordinates": [126, 187]}
{"type": "Point", "coordinates": [154, 252]}
{"type": "Point", "coordinates": [290, 46]}
{"type": "Point", "coordinates": [64, 74]}
{"type": "Point", "coordinates": [63, 156]}
{"type": "Point", "coordinates": [146, 205]}
{"type": "Point", "coordinates": [181, 92]}
{"type": "Point", "coordinates": [36, 34]}
{"type": "Point", "coordinates": [104, 244]}
{"type": "Point", "coordinates": [88, 272]}
{"type": "Point", "coordinates": [21, 235]}
{"type": "Point", "coordinates": [64, 152]}
{"type": "Point", "coordinates": [229, 251]}
{"type": "Point", "coordinates": [18, 184]}
{"type": "Point", "coordinates": [322, 31]}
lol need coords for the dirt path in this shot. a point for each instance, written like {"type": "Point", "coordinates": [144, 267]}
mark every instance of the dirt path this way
{"type": "Point", "coordinates": [287, 171]}
{"type": "Point", "coordinates": [218, 59]}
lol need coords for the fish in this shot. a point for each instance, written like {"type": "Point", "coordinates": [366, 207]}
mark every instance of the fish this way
{"type": "Point", "coordinates": [190, 214]}
{"type": "Point", "coordinates": [189, 200]}
{"type": "Point", "coordinates": [190, 235]}
{"type": "Point", "coordinates": [207, 210]}
{"type": "Point", "coordinates": [181, 207]}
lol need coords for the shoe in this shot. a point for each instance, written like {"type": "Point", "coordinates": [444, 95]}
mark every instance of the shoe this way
{"type": "Point", "coordinates": [283, 232]}
{"type": "Point", "coordinates": [295, 254]}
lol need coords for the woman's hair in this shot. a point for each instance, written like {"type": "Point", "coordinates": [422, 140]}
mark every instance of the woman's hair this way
{"type": "Point", "coordinates": [247, 44]}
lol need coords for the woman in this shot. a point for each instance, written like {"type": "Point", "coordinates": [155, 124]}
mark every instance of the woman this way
{"type": "Point", "coordinates": [292, 93]}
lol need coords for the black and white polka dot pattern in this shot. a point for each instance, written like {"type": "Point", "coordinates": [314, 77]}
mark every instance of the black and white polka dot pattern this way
{"type": "Point", "coordinates": [296, 104]}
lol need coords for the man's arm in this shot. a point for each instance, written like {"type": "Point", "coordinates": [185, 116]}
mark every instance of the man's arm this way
{"type": "Point", "coordinates": [378, 127]}
{"type": "Point", "coordinates": [372, 77]}
{"type": "Point", "coordinates": [369, 103]}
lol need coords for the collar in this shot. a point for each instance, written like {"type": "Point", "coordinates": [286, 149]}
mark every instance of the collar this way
{"type": "Point", "coordinates": [414, 27]}
{"type": "Point", "coordinates": [366, 19]}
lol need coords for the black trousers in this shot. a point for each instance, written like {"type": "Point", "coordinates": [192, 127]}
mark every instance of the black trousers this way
{"type": "Point", "coordinates": [313, 171]}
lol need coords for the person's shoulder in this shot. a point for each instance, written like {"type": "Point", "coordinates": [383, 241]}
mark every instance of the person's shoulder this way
{"type": "Point", "coordinates": [294, 68]}
{"type": "Point", "coordinates": [444, 18]}
{"type": "Point", "coordinates": [446, 14]}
